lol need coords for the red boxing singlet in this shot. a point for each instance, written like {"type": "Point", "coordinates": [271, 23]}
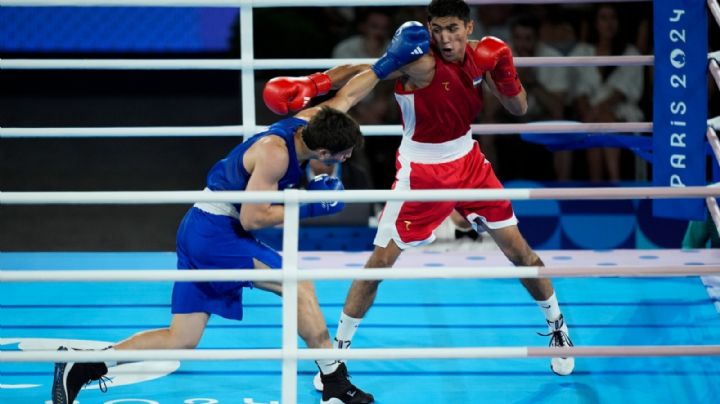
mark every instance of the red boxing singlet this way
{"type": "Point", "coordinates": [443, 110]}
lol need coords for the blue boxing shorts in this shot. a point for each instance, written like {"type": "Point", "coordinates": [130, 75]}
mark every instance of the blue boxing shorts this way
{"type": "Point", "coordinates": [209, 241]}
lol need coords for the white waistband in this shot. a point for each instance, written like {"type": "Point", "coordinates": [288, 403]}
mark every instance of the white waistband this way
{"type": "Point", "coordinates": [436, 152]}
{"type": "Point", "coordinates": [217, 208]}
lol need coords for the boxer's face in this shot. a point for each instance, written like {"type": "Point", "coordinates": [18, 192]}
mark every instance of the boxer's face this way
{"type": "Point", "coordinates": [451, 36]}
{"type": "Point", "coordinates": [328, 158]}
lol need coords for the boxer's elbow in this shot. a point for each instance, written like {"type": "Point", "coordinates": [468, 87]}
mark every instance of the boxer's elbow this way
{"type": "Point", "coordinates": [251, 220]}
{"type": "Point", "coordinates": [517, 105]}
{"type": "Point", "coordinates": [521, 109]}
{"type": "Point", "coordinates": [248, 223]}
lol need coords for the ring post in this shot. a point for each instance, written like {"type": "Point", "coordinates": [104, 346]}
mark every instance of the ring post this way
{"type": "Point", "coordinates": [247, 55]}
{"type": "Point", "coordinates": [290, 296]}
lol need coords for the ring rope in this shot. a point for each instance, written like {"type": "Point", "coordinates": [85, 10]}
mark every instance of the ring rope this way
{"type": "Point", "coordinates": [359, 353]}
{"type": "Point", "coordinates": [367, 130]}
{"type": "Point", "coordinates": [267, 3]}
{"type": "Point", "coordinates": [356, 196]}
{"type": "Point", "coordinates": [275, 64]}
{"type": "Point", "coordinates": [715, 10]}
{"type": "Point", "coordinates": [715, 71]}
{"type": "Point", "coordinates": [711, 202]}
{"type": "Point", "coordinates": [501, 272]}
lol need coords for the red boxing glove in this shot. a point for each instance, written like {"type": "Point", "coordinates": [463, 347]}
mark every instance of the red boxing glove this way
{"type": "Point", "coordinates": [293, 93]}
{"type": "Point", "coordinates": [493, 55]}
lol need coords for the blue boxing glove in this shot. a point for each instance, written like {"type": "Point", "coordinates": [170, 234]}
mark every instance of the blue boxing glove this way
{"type": "Point", "coordinates": [410, 41]}
{"type": "Point", "coordinates": [322, 182]}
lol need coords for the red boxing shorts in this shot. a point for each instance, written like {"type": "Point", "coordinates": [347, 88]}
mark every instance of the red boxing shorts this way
{"type": "Point", "coordinates": [412, 224]}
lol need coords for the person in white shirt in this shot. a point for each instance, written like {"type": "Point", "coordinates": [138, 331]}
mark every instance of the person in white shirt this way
{"type": "Point", "coordinates": [608, 93]}
{"type": "Point", "coordinates": [546, 86]}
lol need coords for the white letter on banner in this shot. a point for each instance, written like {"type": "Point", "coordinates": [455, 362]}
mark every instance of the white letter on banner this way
{"type": "Point", "coordinates": [678, 14]}
{"type": "Point", "coordinates": [677, 161]}
{"type": "Point", "coordinates": [675, 181]}
{"type": "Point", "coordinates": [677, 140]}
{"type": "Point", "coordinates": [678, 108]}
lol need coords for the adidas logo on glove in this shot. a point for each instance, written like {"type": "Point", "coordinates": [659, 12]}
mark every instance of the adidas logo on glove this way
{"type": "Point", "coordinates": [417, 51]}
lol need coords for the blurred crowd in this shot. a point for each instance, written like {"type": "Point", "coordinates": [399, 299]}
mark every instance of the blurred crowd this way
{"type": "Point", "coordinates": [580, 94]}
{"type": "Point", "coordinates": [568, 94]}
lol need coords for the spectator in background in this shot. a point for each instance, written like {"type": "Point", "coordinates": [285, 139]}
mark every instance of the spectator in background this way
{"type": "Point", "coordinates": [493, 20]}
{"type": "Point", "coordinates": [559, 28]}
{"type": "Point", "coordinates": [546, 86]}
{"type": "Point", "coordinates": [607, 93]}
{"type": "Point", "coordinates": [374, 29]}
{"type": "Point", "coordinates": [374, 26]}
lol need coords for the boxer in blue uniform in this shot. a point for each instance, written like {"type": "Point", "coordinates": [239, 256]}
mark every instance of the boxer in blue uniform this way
{"type": "Point", "coordinates": [217, 235]}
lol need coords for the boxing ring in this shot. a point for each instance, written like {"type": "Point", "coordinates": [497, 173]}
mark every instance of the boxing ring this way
{"type": "Point", "coordinates": [643, 324]}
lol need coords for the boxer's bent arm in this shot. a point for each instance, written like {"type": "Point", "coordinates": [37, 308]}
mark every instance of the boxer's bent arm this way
{"type": "Point", "coordinates": [340, 75]}
{"type": "Point", "coordinates": [355, 90]}
{"type": "Point", "coordinates": [516, 105]}
{"type": "Point", "coordinates": [271, 162]}
{"type": "Point", "coordinates": [350, 94]}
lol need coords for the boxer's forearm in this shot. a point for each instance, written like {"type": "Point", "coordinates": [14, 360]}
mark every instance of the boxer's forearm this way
{"type": "Point", "coordinates": [355, 90]}
{"type": "Point", "coordinates": [340, 75]}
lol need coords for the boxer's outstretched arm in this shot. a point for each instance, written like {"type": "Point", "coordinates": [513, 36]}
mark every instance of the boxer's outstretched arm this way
{"type": "Point", "coordinates": [340, 75]}
{"type": "Point", "coordinates": [350, 94]}
{"type": "Point", "coordinates": [355, 90]}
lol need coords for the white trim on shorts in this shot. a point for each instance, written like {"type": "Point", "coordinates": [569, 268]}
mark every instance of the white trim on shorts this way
{"type": "Point", "coordinates": [435, 153]}
{"type": "Point", "coordinates": [217, 208]}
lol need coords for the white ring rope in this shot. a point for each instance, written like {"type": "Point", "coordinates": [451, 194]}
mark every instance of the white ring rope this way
{"type": "Point", "coordinates": [714, 143]}
{"type": "Point", "coordinates": [715, 10]}
{"type": "Point", "coordinates": [356, 196]}
{"type": "Point", "coordinates": [714, 210]}
{"type": "Point", "coordinates": [367, 130]}
{"type": "Point", "coordinates": [269, 3]}
{"type": "Point", "coordinates": [161, 275]}
{"type": "Point", "coordinates": [284, 64]}
{"type": "Point", "coordinates": [711, 202]}
{"type": "Point", "coordinates": [715, 71]}
{"type": "Point", "coordinates": [358, 354]}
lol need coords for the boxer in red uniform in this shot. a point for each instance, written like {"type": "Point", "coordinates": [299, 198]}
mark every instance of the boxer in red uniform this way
{"type": "Point", "coordinates": [439, 95]}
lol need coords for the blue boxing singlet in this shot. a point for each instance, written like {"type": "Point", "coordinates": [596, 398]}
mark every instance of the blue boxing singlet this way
{"type": "Point", "coordinates": [211, 236]}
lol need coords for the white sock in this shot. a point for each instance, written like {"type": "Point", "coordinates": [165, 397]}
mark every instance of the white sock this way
{"type": "Point", "coordinates": [550, 308]}
{"type": "Point", "coordinates": [345, 331]}
{"type": "Point", "coordinates": [327, 366]}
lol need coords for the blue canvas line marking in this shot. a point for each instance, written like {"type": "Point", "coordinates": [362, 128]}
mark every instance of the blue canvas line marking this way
{"type": "Point", "coordinates": [406, 326]}
{"type": "Point", "coordinates": [417, 373]}
{"type": "Point", "coordinates": [699, 302]}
